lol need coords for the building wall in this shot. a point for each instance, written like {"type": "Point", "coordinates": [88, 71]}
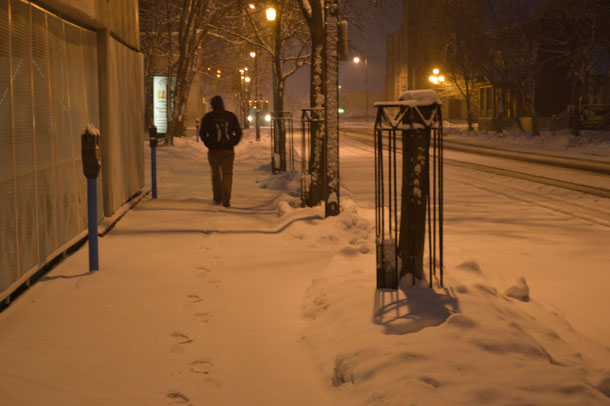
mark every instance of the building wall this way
{"type": "Point", "coordinates": [414, 51]}
{"type": "Point", "coordinates": [120, 17]}
{"type": "Point", "coordinates": [123, 21]}
{"type": "Point", "coordinates": [60, 69]}
{"type": "Point", "coordinates": [123, 165]}
{"type": "Point", "coordinates": [396, 65]}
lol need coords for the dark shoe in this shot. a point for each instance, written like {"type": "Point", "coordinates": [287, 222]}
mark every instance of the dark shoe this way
{"type": "Point", "coordinates": [216, 202]}
{"type": "Point", "coordinates": [226, 205]}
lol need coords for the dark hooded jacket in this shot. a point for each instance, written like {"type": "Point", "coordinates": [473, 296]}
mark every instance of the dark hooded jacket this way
{"type": "Point", "coordinates": [219, 128]}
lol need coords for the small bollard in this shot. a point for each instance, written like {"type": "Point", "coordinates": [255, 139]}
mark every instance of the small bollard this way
{"type": "Point", "coordinates": [152, 137]}
{"type": "Point", "coordinates": [90, 144]}
{"type": "Point", "coordinates": [197, 130]}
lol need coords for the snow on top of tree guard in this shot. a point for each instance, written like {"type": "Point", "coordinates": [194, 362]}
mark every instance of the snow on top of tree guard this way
{"type": "Point", "coordinates": [425, 97]}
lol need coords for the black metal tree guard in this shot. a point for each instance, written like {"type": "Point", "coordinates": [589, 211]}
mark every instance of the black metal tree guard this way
{"type": "Point", "coordinates": [309, 117]}
{"type": "Point", "coordinates": [281, 130]}
{"type": "Point", "coordinates": [400, 242]}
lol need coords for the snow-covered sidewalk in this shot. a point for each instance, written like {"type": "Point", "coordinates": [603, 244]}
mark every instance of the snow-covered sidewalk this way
{"type": "Point", "coordinates": [265, 303]}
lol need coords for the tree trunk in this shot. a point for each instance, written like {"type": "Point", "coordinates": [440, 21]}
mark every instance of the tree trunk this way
{"type": "Point", "coordinates": [414, 196]}
{"type": "Point", "coordinates": [279, 135]}
{"type": "Point", "coordinates": [316, 97]}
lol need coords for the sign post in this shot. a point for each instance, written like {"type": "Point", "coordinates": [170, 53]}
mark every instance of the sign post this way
{"type": "Point", "coordinates": [152, 138]}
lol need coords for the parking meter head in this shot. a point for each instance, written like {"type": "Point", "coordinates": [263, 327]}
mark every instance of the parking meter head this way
{"type": "Point", "coordinates": [152, 136]}
{"type": "Point", "coordinates": [90, 149]}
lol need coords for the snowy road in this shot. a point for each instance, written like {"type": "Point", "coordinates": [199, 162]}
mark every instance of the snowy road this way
{"type": "Point", "coordinates": [555, 237]}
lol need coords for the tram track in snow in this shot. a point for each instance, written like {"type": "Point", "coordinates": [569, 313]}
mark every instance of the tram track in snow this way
{"type": "Point", "coordinates": [580, 164]}
{"type": "Point", "coordinates": [557, 202]}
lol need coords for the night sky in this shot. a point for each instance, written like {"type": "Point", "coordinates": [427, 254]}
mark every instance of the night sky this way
{"type": "Point", "coordinates": [371, 43]}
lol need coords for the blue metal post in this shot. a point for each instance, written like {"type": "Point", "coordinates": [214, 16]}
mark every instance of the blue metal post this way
{"type": "Point", "coordinates": [92, 220]}
{"type": "Point", "coordinates": [153, 170]}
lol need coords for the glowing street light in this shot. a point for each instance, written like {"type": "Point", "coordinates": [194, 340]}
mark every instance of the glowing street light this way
{"type": "Point", "coordinates": [252, 6]}
{"type": "Point", "coordinates": [271, 14]}
{"type": "Point", "coordinates": [435, 77]}
{"type": "Point", "coordinates": [247, 79]}
{"type": "Point", "coordinates": [366, 84]}
{"type": "Point", "coordinates": [252, 54]}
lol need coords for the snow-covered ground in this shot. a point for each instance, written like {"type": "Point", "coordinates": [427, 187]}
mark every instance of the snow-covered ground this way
{"type": "Point", "coordinates": [589, 144]}
{"type": "Point", "coordinates": [267, 303]}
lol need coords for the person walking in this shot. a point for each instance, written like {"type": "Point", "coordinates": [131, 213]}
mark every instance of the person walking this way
{"type": "Point", "coordinates": [220, 132]}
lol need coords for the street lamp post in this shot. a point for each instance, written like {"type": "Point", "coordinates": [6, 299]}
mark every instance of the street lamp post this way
{"type": "Point", "coordinates": [278, 142]}
{"type": "Point", "coordinates": [366, 85]}
{"type": "Point", "coordinates": [256, 97]}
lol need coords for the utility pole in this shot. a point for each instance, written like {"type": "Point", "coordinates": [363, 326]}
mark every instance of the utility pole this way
{"type": "Point", "coordinates": [330, 157]}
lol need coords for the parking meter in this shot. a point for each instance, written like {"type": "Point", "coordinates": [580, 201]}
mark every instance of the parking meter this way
{"type": "Point", "coordinates": [152, 137]}
{"type": "Point", "coordinates": [90, 150]}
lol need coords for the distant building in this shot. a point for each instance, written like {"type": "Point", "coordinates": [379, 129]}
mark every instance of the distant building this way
{"type": "Point", "coordinates": [508, 101]}
{"type": "Point", "coordinates": [413, 53]}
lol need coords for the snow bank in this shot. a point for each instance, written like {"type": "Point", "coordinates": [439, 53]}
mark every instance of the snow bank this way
{"type": "Point", "coordinates": [465, 343]}
{"type": "Point", "coordinates": [589, 144]}
{"type": "Point", "coordinates": [288, 181]}
{"type": "Point", "coordinates": [519, 290]}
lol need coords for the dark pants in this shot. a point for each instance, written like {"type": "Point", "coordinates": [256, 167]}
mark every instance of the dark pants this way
{"type": "Point", "coordinates": [221, 162]}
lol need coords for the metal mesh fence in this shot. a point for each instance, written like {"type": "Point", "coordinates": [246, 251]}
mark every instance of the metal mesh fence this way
{"type": "Point", "coordinates": [125, 166]}
{"type": "Point", "coordinates": [48, 93]}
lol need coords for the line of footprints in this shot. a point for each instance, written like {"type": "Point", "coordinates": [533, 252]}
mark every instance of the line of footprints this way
{"type": "Point", "coordinates": [202, 366]}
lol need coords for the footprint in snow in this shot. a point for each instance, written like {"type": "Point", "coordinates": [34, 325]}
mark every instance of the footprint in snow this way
{"type": "Point", "coordinates": [179, 346]}
{"type": "Point", "coordinates": [202, 272]}
{"type": "Point", "coordinates": [179, 397]}
{"type": "Point", "coordinates": [203, 317]}
{"type": "Point", "coordinates": [203, 367]}
{"type": "Point", "coordinates": [194, 298]}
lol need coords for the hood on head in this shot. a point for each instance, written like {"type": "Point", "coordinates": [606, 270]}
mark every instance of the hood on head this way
{"type": "Point", "coordinates": [217, 103]}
